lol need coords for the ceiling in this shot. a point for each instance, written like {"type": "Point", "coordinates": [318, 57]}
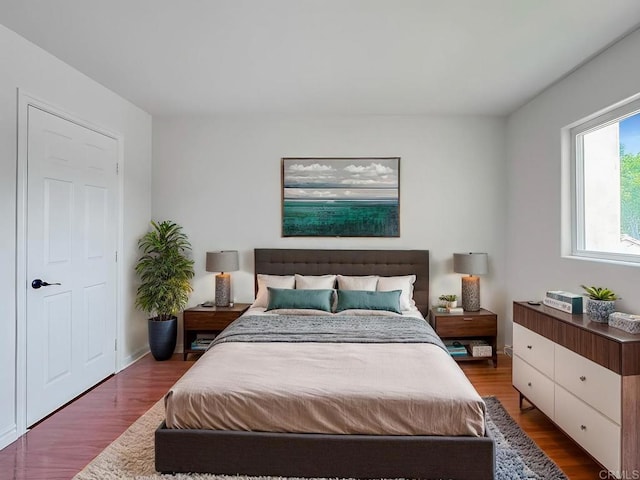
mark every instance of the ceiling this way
{"type": "Point", "coordinates": [373, 57]}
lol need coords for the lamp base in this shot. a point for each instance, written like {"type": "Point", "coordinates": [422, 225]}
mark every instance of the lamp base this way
{"type": "Point", "coordinates": [223, 290]}
{"type": "Point", "coordinates": [471, 293]}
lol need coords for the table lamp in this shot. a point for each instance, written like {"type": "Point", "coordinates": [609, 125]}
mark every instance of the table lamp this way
{"type": "Point", "coordinates": [224, 261]}
{"type": "Point", "coordinates": [473, 264]}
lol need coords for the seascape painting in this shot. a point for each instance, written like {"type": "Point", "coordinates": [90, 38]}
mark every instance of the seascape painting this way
{"type": "Point", "coordinates": [341, 197]}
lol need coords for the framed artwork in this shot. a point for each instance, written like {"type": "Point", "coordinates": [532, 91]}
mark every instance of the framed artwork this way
{"type": "Point", "coordinates": [341, 197]}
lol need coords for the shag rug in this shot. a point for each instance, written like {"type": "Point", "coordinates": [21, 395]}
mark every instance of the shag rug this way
{"type": "Point", "coordinates": [131, 456]}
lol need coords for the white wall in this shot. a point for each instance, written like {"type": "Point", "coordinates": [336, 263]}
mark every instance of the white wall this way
{"type": "Point", "coordinates": [28, 67]}
{"type": "Point", "coordinates": [534, 181]}
{"type": "Point", "coordinates": [220, 179]}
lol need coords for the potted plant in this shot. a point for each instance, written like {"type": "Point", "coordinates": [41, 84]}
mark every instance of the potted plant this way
{"type": "Point", "coordinates": [601, 303]}
{"type": "Point", "coordinates": [165, 273]}
{"type": "Point", "coordinates": [450, 301]}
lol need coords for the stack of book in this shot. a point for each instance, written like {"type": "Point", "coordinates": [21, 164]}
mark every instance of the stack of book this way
{"type": "Point", "coordinates": [456, 349]}
{"type": "Point", "coordinates": [442, 309]}
{"type": "Point", "coordinates": [201, 343]}
{"type": "Point", "coordinates": [565, 301]}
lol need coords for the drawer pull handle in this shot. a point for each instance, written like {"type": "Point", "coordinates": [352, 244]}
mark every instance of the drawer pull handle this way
{"type": "Point", "coordinates": [467, 319]}
{"type": "Point", "coordinates": [529, 384]}
{"type": "Point", "coordinates": [583, 427]}
{"type": "Point", "coordinates": [583, 378]}
{"type": "Point", "coordinates": [529, 347]}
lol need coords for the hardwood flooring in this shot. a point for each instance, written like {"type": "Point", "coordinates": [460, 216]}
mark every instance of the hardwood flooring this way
{"type": "Point", "coordinates": [61, 445]}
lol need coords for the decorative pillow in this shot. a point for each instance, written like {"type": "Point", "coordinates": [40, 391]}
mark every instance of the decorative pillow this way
{"type": "Point", "coordinates": [404, 283]}
{"type": "Point", "coordinates": [367, 282]}
{"type": "Point", "coordinates": [315, 282]}
{"type": "Point", "coordinates": [275, 281]}
{"type": "Point", "coordinates": [367, 313]}
{"type": "Point", "coordinates": [280, 298]}
{"type": "Point", "coordinates": [367, 300]}
{"type": "Point", "coordinates": [299, 311]}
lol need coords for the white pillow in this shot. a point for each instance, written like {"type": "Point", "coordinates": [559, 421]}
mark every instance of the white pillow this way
{"type": "Point", "coordinates": [273, 281]}
{"type": "Point", "coordinates": [367, 282]}
{"type": "Point", "coordinates": [315, 282]}
{"type": "Point", "coordinates": [404, 283]}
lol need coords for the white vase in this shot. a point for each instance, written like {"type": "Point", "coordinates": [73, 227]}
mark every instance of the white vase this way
{"type": "Point", "coordinates": [452, 304]}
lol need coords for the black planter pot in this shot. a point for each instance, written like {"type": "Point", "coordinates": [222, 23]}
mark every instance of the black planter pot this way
{"type": "Point", "coordinates": [162, 337]}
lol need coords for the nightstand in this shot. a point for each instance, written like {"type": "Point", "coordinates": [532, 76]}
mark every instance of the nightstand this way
{"type": "Point", "coordinates": [481, 325]}
{"type": "Point", "coordinates": [201, 320]}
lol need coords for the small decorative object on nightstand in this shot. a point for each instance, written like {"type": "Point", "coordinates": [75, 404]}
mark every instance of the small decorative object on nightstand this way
{"type": "Point", "coordinates": [449, 301]}
{"type": "Point", "coordinates": [469, 328]}
{"type": "Point", "coordinates": [202, 322]}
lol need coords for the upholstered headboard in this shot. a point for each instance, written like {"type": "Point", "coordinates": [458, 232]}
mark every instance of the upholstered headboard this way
{"type": "Point", "coordinates": [276, 261]}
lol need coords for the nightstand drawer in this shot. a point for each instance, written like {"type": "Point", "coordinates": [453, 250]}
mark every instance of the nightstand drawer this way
{"type": "Point", "coordinates": [206, 321]}
{"type": "Point", "coordinates": [467, 326]}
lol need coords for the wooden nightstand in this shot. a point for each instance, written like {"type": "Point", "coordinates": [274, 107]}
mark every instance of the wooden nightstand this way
{"type": "Point", "coordinates": [207, 320]}
{"type": "Point", "coordinates": [481, 325]}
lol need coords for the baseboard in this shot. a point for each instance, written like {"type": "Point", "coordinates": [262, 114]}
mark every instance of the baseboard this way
{"type": "Point", "coordinates": [133, 358]}
{"type": "Point", "coordinates": [8, 436]}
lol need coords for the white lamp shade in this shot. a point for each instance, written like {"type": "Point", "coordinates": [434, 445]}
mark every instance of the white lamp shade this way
{"type": "Point", "coordinates": [471, 263]}
{"type": "Point", "coordinates": [224, 261]}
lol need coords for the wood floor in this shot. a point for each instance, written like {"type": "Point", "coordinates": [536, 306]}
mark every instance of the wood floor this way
{"type": "Point", "coordinates": [64, 443]}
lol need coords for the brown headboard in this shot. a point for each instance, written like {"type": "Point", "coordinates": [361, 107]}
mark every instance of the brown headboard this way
{"type": "Point", "coordinates": [277, 261]}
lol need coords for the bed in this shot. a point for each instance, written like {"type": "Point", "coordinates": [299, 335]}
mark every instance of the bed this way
{"type": "Point", "coordinates": [324, 449]}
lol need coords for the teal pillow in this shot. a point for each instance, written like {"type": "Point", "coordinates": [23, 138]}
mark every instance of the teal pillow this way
{"type": "Point", "coordinates": [366, 300]}
{"type": "Point", "coordinates": [301, 299]}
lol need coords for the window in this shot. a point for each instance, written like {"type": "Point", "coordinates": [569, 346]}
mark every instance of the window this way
{"type": "Point", "coordinates": [605, 156]}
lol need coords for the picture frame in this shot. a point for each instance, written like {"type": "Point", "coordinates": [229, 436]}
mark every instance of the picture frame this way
{"type": "Point", "coordinates": [340, 197]}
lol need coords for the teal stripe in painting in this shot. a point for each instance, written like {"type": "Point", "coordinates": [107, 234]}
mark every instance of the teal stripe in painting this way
{"type": "Point", "coordinates": [341, 218]}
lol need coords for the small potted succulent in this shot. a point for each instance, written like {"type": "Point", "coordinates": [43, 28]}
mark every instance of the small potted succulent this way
{"type": "Point", "coordinates": [449, 301]}
{"type": "Point", "coordinates": [601, 303]}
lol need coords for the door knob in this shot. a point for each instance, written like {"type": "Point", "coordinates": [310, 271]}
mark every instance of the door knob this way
{"type": "Point", "coordinates": [37, 283]}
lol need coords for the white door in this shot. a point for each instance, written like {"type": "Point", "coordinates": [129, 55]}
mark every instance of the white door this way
{"type": "Point", "coordinates": [71, 241]}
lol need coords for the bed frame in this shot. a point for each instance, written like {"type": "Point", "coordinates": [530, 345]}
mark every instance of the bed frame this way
{"type": "Point", "coordinates": [324, 455]}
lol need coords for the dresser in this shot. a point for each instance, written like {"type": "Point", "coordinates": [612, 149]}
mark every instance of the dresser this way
{"type": "Point", "coordinates": [584, 376]}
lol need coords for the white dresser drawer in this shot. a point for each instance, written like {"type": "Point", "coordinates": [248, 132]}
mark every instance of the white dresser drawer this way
{"type": "Point", "coordinates": [534, 385]}
{"type": "Point", "coordinates": [590, 382]}
{"type": "Point", "coordinates": [534, 349]}
{"type": "Point", "coordinates": [595, 432]}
